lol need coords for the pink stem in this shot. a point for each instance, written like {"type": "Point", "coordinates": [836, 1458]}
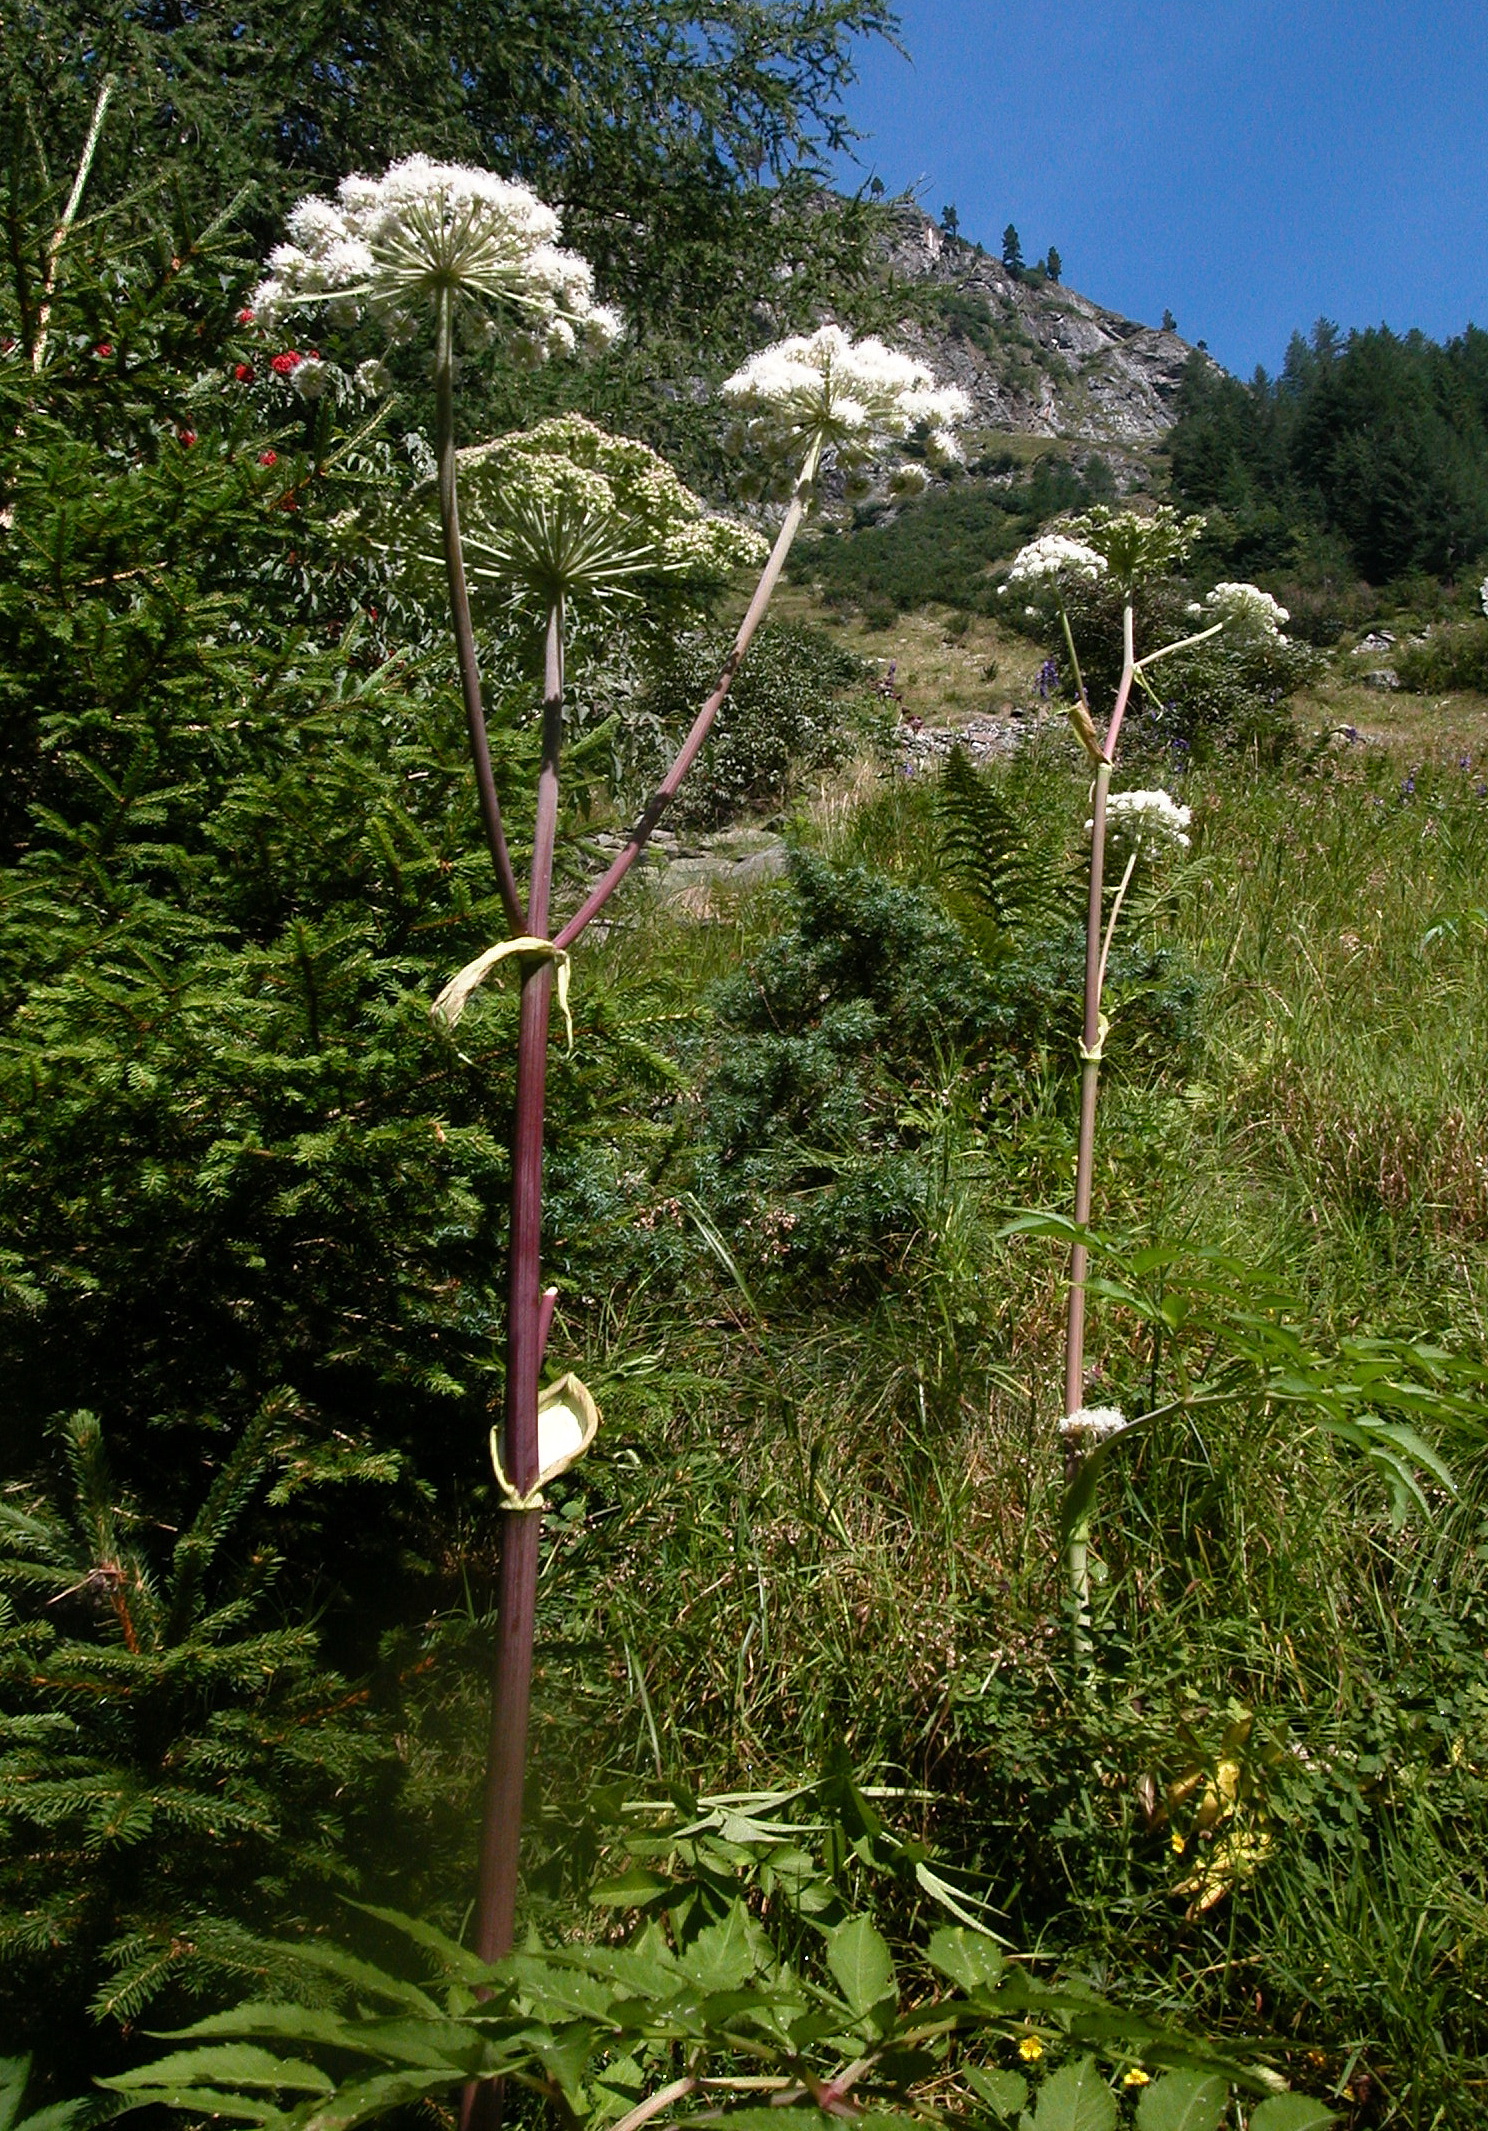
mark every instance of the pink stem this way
{"type": "Point", "coordinates": [702, 725]}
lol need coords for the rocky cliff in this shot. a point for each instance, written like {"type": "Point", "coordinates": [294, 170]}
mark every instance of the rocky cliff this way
{"type": "Point", "coordinates": [1036, 358]}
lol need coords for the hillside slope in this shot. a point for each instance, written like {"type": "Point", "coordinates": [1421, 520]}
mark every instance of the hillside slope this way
{"type": "Point", "coordinates": [1038, 359]}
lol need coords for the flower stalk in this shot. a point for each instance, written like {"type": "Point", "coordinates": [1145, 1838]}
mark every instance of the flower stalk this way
{"type": "Point", "coordinates": [529, 1314]}
{"type": "Point", "coordinates": [575, 515]}
{"type": "Point", "coordinates": [459, 600]}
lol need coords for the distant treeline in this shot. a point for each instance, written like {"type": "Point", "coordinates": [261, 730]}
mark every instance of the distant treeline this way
{"type": "Point", "coordinates": [1369, 452]}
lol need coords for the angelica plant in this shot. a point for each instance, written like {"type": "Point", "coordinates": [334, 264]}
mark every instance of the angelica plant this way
{"type": "Point", "coordinates": [1125, 550]}
{"type": "Point", "coordinates": [564, 518]}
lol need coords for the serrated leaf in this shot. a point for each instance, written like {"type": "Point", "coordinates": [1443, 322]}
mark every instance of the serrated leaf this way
{"type": "Point", "coordinates": [965, 1956]}
{"type": "Point", "coordinates": [1291, 2112]}
{"type": "Point", "coordinates": [1075, 2099]}
{"type": "Point", "coordinates": [209, 2101]}
{"type": "Point", "coordinates": [861, 1964]}
{"type": "Point", "coordinates": [1003, 2092]}
{"type": "Point", "coordinates": [455, 1959]}
{"type": "Point", "coordinates": [375, 2097]}
{"type": "Point", "coordinates": [1183, 2101]}
{"type": "Point", "coordinates": [241, 2064]}
{"type": "Point", "coordinates": [723, 1955]}
{"type": "Point", "coordinates": [272, 2023]}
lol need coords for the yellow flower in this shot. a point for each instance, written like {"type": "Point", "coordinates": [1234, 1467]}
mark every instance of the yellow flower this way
{"type": "Point", "coordinates": [1030, 2049]}
{"type": "Point", "coordinates": [1136, 2077]}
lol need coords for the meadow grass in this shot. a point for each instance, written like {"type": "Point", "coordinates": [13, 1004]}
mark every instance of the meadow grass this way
{"type": "Point", "coordinates": [819, 1524]}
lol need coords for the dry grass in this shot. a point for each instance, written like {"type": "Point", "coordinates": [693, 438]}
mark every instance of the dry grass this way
{"type": "Point", "coordinates": [941, 674]}
{"type": "Point", "coordinates": [1429, 725]}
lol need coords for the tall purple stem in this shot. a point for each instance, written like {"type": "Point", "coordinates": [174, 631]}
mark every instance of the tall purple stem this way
{"type": "Point", "coordinates": [511, 1685]}
{"type": "Point", "coordinates": [459, 598]}
{"type": "Point", "coordinates": [529, 1310]}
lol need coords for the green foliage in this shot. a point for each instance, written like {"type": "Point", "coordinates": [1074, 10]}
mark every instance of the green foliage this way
{"type": "Point", "coordinates": [1377, 439]}
{"type": "Point", "coordinates": [1449, 658]}
{"type": "Point", "coordinates": [1007, 858]}
{"type": "Point", "coordinates": [746, 1982]}
{"type": "Point", "coordinates": [799, 705]}
{"type": "Point", "coordinates": [176, 1756]}
{"type": "Point", "coordinates": [15, 2072]}
{"type": "Point", "coordinates": [652, 123]}
{"type": "Point", "coordinates": [1231, 694]}
{"type": "Point", "coordinates": [942, 545]}
{"type": "Point", "coordinates": [819, 1130]}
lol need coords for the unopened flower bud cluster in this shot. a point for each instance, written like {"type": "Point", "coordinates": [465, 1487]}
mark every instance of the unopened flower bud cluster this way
{"type": "Point", "coordinates": [568, 496]}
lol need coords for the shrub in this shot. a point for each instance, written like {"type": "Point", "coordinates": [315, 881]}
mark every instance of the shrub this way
{"type": "Point", "coordinates": [1449, 658]}
{"type": "Point", "coordinates": [800, 704]}
{"type": "Point", "coordinates": [816, 1147]}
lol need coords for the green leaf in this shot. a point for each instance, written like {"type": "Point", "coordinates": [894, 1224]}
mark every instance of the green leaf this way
{"type": "Point", "coordinates": [242, 2063]}
{"type": "Point", "coordinates": [1003, 2092]}
{"type": "Point", "coordinates": [1291, 2112]}
{"type": "Point", "coordinates": [454, 1958]}
{"type": "Point", "coordinates": [272, 2023]}
{"type": "Point", "coordinates": [1183, 2101]}
{"type": "Point", "coordinates": [210, 2101]}
{"type": "Point", "coordinates": [376, 2097]}
{"type": "Point", "coordinates": [1075, 2099]}
{"type": "Point", "coordinates": [965, 1956]}
{"type": "Point", "coordinates": [861, 1964]}
{"type": "Point", "coordinates": [723, 1955]}
{"type": "Point", "coordinates": [631, 1890]}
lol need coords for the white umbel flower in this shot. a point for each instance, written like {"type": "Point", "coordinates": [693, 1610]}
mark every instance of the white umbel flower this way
{"type": "Point", "coordinates": [1153, 819]}
{"type": "Point", "coordinates": [425, 229]}
{"type": "Point", "coordinates": [855, 399]}
{"type": "Point", "coordinates": [1055, 556]}
{"type": "Point", "coordinates": [1483, 595]}
{"type": "Point", "coordinates": [311, 378]}
{"type": "Point", "coordinates": [564, 509]}
{"type": "Point", "coordinates": [1248, 609]}
{"type": "Point", "coordinates": [1094, 1424]}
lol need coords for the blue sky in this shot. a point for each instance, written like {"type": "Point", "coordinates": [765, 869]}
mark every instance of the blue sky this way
{"type": "Point", "coordinates": [1252, 164]}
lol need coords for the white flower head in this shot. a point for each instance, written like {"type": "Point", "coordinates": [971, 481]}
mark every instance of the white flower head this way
{"type": "Point", "coordinates": [1246, 610]}
{"type": "Point", "coordinates": [1152, 820]}
{"type": "Point", "coordinates": [566, 508]}
{"type": "Point", "coordinates": [1094, 1424]}
{"type": "Point", "coordinates": [311, 378]}
{"type": "Point", "coordinates": [427, 230]}
{"type": "Point", "coordinates": [1483, 595]}
{"type": "Point", "coordinates": [373, 378]}
{"type": "Point", "coordinates": [1054, 559]}
{"type": "Point", "coordinates": [825, 391]}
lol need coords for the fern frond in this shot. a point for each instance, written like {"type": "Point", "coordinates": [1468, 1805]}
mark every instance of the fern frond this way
{"type": "Point", "coordinates": [994, 854]}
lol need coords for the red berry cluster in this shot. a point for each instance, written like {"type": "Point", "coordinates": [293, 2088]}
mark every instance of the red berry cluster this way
{"type": "Point", "coordinates": [286, 364]}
